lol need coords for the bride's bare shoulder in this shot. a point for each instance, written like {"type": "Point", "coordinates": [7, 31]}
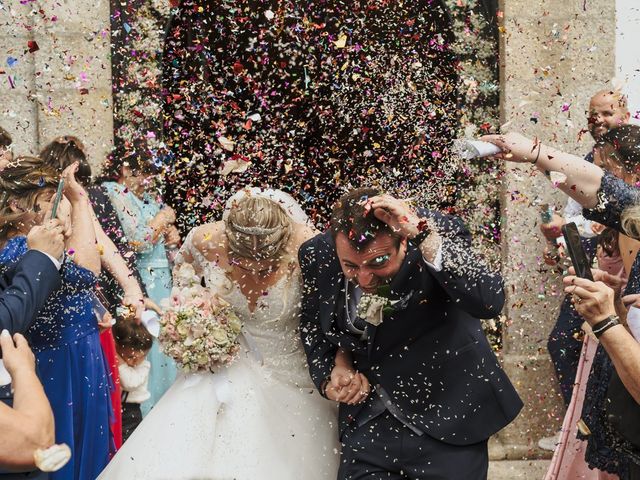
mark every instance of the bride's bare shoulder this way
{"type": "Point", "coordinates": [208, 239]}
{"type": "Point", "coordinates": [302, 233]}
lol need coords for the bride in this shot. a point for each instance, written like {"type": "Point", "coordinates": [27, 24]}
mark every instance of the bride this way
{"type": "Point", "coordinates": [260, 417]}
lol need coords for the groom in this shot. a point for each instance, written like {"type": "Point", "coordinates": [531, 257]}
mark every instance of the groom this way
{"type": "Point", "coordinates": [437, 391]}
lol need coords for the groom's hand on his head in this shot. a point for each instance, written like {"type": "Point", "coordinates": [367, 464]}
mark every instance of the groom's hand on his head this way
{"type": "Point", "coordinates": [396, 213]}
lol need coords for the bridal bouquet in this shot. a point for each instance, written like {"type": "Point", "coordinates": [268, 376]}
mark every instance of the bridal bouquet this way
{"type": "Point", "coordinates": [199, 330]}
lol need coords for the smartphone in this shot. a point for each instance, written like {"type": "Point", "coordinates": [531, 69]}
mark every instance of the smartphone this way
{"type": "Point", "coordinates": [56, 200]}
{"type": "Point", "coordinates": [99, 304]}
{"type": "Point", "coordinates": [576, 251]}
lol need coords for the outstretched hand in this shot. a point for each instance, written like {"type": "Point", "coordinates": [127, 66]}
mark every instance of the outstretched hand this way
{"type": "Point", "coordinates": [616, 282]}
{"type": "Point", "coordinates": [515, 147]}
{"type": "Point", "coordinates": [16, 354]}
{"type": "Point", "coordinates": [632, 300]}
{"type": "Point", "coordinates": [47, 238]}
{"type": "Point", "coordinates": [72, 189]}
{"type": "Point", "coordinates": [553, 229]}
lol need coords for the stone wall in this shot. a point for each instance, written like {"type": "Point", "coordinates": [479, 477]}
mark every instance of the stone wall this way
{"type": "Point", "coordinates": [554, 55]}
{"type": "Point", "coordinates": [55, 73]}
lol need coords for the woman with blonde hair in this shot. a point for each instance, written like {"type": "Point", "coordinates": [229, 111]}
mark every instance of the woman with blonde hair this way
{"type": "Point", "coordinates": [65, 334]}
{"type": "Point", "coordinates": [260, 416]}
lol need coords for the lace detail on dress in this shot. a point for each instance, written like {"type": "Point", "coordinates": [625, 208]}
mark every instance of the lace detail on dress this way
{"type": "Point", "coordinates": [187, 273]}
{"type": "Point", "coordinates": [273, 325]}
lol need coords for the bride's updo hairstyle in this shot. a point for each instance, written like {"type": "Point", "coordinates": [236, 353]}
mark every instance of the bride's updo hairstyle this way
{"type": "Point", "coordinates": [257, 227]}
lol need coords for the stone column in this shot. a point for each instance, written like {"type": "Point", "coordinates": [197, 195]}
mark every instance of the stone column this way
{"type": "Point", "coordinates": [63, 85]}
{"type": "Point", "coordinates": [17, 82]}
{"type": "Point", "coordinates": [554, 55]}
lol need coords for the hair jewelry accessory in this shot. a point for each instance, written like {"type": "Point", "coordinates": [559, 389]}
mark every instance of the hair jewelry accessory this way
{"type": "Point", "coordinates": [255, 230]}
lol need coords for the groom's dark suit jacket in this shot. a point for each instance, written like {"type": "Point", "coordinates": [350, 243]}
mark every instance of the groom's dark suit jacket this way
{"type": "Point", "coordinates": [431, 357]}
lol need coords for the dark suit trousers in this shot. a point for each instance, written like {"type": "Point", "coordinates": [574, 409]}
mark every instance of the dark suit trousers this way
{"type": "Point", "coordinates": [564, 348]}
{"type": "Point", "coordinates": [384, 448]}
{"type": "Point", "coordinates": [131, 418]}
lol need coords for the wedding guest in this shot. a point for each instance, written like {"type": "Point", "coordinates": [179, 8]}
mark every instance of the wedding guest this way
{"type": "Point", "coordinates": [149, 227]}
{"type": "Point", "coordinates": [119, 280]}
{"type": "Point", "coordinates": [65, 335]}
{"type": "Point", "coordinates": [596, 303]}
{"type": "Point", "coordinates": [610, 201]}
{"type": "Point", "coordinates": [616, 253]}
{"type": "Point", "coordinates": [607, 110]}
{"type": "Point", "coordinates": [36, 273]}
{"type": "Point", "coordinates": [133, 343]}
{"type": "Point", "coordinates": [29, 424]}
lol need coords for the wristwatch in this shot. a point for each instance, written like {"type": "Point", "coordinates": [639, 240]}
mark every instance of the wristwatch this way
{"type": "Point", "coordinates": [599, 328]}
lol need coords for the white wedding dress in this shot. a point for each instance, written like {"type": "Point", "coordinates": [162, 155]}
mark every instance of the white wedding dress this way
{"type": "Point", "coordinates": [260, 418]}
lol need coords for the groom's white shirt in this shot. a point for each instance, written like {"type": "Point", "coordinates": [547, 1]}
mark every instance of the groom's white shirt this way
{"type": "Point", "coordinates": [437, 261]}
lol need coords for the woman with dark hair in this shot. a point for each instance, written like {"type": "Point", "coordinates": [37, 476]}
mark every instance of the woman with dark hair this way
{"type": "Point", "coordinates": [65, 335]}
{"type": "Point", "coordinates": [119, 281]}
{"type": "Point", "coordinates": [613, 441]}
{"type": "Point", "coordinates": [122, 283]}
{"type": "Point", "coordinates": [62, 152]}
{"type": "Point", "coordinates": [586, 413]}
{"type": "Point", "coordinates": [148, 228]}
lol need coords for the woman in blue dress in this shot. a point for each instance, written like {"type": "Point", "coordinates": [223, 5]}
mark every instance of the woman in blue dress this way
{"type": "Point", "coordinates": [65, 334]}
{"type": "Point", "coordinates": [149, 228]}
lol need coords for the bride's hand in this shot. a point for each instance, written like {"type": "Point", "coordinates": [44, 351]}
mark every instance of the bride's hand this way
{"type": "Point", "coordinates": [347, 386]}
{"type": "Point", "coordinates": [363, 390]}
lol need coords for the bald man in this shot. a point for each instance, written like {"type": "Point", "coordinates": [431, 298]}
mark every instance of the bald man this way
{"type": "Point", "coordinates": [607, 109]}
